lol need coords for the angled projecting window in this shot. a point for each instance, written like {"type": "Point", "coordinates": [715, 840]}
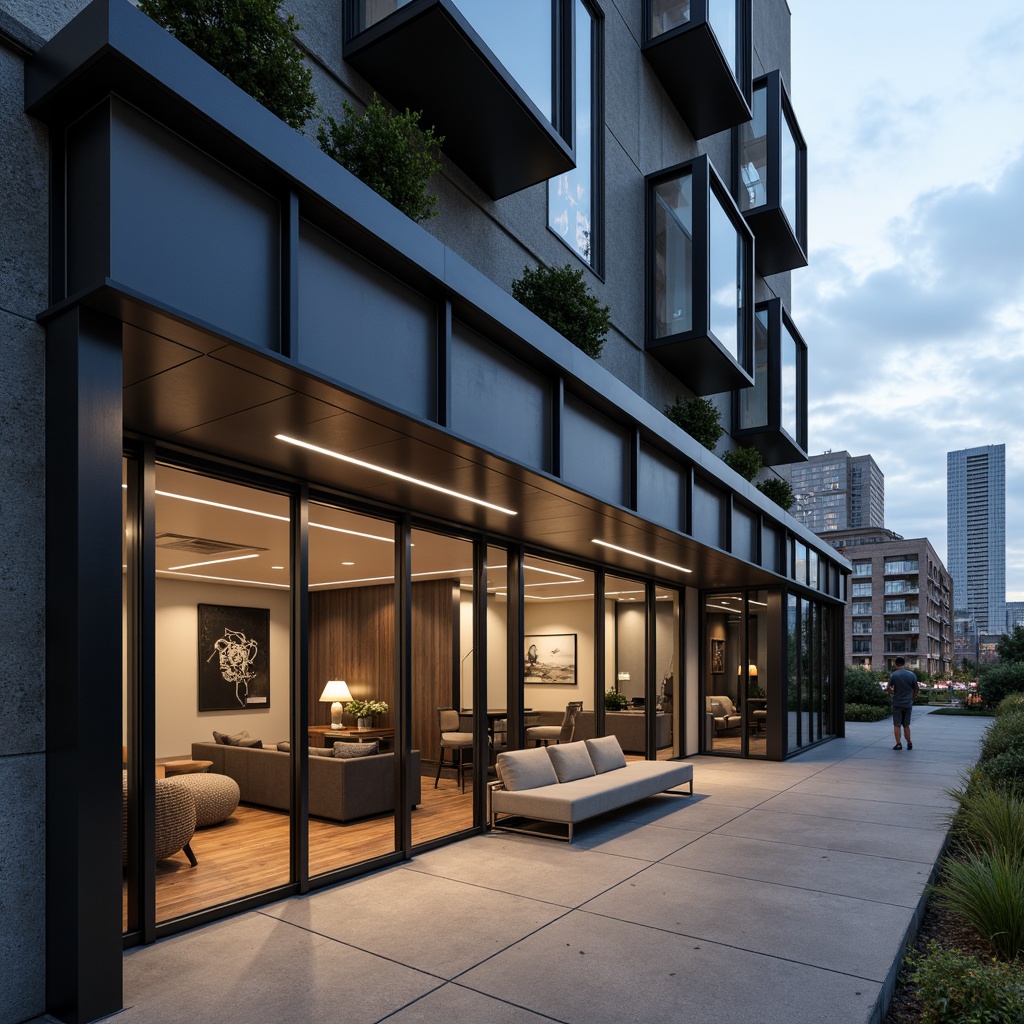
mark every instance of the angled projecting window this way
{"type": "Point", "coordinates": [700, 279]}
{"type": "Point", "coordinates": [772, 415]}
{"type": "Point", "coordinates": [493, 76]}
{"type": "Point", "coordinates": [701, 52]}
{"type": "Point", "coordinates": [772, 189]}
{"type": "Point", "coordinates": [574, 198]}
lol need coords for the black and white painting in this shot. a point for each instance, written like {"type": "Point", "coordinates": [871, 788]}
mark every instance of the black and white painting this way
{"type": "Point", "coordinates": [550, 658]}
{"type": "Point", "coordinates": [234, 658]}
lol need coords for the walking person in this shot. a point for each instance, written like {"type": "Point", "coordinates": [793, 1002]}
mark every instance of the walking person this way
{"type": "Point", "coordinates": [903, 687]}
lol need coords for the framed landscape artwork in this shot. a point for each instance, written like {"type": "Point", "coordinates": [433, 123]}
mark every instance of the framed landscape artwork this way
{"type": "Point", "coordinates": [717, 656]}
{"type": "Point", "coordinates": [234, 658]}
{"type": "Point", "coordinates": [550, 658]}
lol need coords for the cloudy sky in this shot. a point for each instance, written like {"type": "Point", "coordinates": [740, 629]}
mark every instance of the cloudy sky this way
{"type": "Point", "coordinates": [913, 304]}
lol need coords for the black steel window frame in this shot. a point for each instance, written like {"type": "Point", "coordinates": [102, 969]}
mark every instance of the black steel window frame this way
{"type": "Point", "coordinates": [696, 356]}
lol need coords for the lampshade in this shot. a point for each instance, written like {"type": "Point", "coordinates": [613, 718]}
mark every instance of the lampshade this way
{"type": "Point", "coordinates": [751, 670]}
{"type": "Point", "coordinates": [336, 691]}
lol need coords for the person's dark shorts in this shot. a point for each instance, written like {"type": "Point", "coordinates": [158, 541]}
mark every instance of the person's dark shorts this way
{"type": "Point", "coordinates": [901, 716]}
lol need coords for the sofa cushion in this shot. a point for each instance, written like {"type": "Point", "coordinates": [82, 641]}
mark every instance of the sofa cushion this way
{"type": "Point", "coordinates": [606, 754]}
{"type": "Point", "coordinates": [355, 749]}
{"type": "Point", "coordinates": [526, 769]}
{"type": "Point", "coordinates": [231, 739]}
{"type": "Point", "coordinates": [571, 761]}
{"type": "Point", "coordinates": [258, 744]}
{"type": "Point", "coordinates": [284, 745]}
{"type": "Point", "coordinates": [321, 752]}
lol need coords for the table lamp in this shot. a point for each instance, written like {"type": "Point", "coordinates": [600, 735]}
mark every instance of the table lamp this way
{"type": "Point", "coordinates": [336, 691]}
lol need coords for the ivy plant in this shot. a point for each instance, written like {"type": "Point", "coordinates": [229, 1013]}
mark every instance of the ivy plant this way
{"type": "Point", "coordinates": [560, 297]}
{"type": "Point", "coordinates": [778, 490]}
{"type": "Point", "coordinates": [248, 41]}
{"type": "Point", "coordinates": [745, 461]}
{"type": "Point", "coordinates": [389, 152]}
{"type": "Point", "coordinates": [699, 417]}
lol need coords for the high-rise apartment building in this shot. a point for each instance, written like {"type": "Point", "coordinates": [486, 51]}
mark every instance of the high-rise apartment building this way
{"type": "Point", "coordinates": [976, 534]}
{"type": "Point", "coordinates": [838, 491]}
{"type": "Point", "coordinates": [297, 444]}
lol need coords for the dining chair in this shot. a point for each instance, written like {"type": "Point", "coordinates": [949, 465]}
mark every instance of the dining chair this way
{"type": "Point", "coordinates": [544, 734]}
{"type": "Point", "coordinates": [455, 741]}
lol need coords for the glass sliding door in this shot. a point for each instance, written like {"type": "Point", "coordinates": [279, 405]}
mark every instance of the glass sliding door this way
{"type": "Point", "coordinates": [351, 688]}
{"type": "Point", "coordinates": [756, 673]}
{"type": "Point", "coordinates": [626, 664]}
{"type": "Point", "coordinates": [668, 708]}
{"type": "Point", "coordinates": [223, 690]}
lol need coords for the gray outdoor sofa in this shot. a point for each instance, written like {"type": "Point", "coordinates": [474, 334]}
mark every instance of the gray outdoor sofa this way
{"type": "Point", "coordinates": [339, 789]}
{"type": "Point", "coordinates": [567, 783]}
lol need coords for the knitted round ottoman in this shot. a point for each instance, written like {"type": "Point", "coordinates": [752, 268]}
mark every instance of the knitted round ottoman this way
{"type": "Point", "coordinates": [216, 796]}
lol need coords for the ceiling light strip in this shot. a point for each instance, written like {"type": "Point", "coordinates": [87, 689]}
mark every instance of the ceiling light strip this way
{"type": "Point", "coordinates": [212, 561]}
{"type": "Point", "coordinates": [639, 554]}
{"type": "Point", "coordinates": [392, 473]}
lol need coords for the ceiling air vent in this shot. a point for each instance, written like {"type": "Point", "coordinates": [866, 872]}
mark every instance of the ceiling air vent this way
{"type": "Point", "coordinates": [200, 545]}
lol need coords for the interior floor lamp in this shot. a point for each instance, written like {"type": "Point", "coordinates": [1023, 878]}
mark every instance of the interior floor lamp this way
{"type": "Point", "coordinates": [337, 692]}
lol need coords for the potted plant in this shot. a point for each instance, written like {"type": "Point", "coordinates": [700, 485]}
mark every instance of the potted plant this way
{"type": "Point", "coordinates": [614, 701]}
{"type": "Point", "coordinates": [560, 297]}
{"type": "Point", "coordinates": [365, 711]}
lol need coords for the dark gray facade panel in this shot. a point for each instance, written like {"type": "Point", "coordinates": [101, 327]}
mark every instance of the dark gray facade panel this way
{"type": "Point", "coordinates": [709, 510]}
{"type": "Point", "coordinates": [771, 548]}
{"type": "Point", "coordinates": [189, 233]}
{"type": "Point", "coordinates": [87, 203]}
{"type": "Point", "coordinates": [364, 328]}
{"type": "Point", "coordinates": [498, 401]}
{"type": "Point", "coordinates": [659, 489]}
{"type": "Point", "coordinates": [595, 453]}
{"type": "Point", "coordinates": [744, 534]}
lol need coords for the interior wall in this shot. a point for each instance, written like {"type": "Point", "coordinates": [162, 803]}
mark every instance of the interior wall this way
{"type": "Point", "coordinates": [552, 617]}
{"type": "Point", "coordinates": [629, 635]}
{"type": "Point", "coordinates": [497, 641]}
{"type": "Point", "coordinates": [690, 696]}
{"type": "Point", "coordinates": [178, 721]}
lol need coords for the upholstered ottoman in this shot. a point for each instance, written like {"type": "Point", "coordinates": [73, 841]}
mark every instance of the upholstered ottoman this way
{"type": "Point", "coordinates": [216, 796]}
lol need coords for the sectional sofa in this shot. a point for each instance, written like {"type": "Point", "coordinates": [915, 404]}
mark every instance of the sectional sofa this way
{"type": "Point", "coordinates": [339, 789]}
{"type": "Point", "coordinates": [567, 783]}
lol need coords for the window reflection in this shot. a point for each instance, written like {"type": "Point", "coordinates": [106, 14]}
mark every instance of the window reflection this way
{"type": "Point", "coordinates": [667, 15]}
{"type": "Point", "coordinates": [674, 256]}
{"type": "Point", "coordinates": [789, 413]}
{"type": "Point", "coordinates": [725, 261]}
{"type": "Point", "coordinates": [722, 16]}
{"type": "Point", "coordinates": [788, 176]}
{"type": "Point", "coordinates": [754, 157]}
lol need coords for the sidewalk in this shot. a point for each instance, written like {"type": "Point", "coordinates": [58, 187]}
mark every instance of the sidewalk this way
{"type": "Point", "coordinates": [778, 894]}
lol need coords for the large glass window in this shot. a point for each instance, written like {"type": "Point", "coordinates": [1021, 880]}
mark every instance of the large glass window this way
{"type": "Point", "coordinates": [793, 360]}
{"type": "Point", "coordinates": [573, 199]}
{"type": "Point", "coordinates": [626, 666]}
{"type": "Point", "coordinates": [754, 153]}
{"type": "Point", "coordinates": [722, 16]}
{"type": "Point", "coordinates": [673, 270]}
{"type": "Point", "coordinates": [668, 14]}
{"type": "Point", "coordinates": [725, 279]}
{"type": "Point", "coordinates": [666, 674]}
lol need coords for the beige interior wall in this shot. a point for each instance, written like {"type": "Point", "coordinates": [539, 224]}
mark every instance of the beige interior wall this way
{"type": "Point", "coordinates": [544, 617]}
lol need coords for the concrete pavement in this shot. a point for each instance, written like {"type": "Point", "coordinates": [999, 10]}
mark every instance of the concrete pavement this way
{"type": "Point", "coordinates": [780, 893]}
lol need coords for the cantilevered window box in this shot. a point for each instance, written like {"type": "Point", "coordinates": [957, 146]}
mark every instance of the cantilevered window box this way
{"type": "Point", "coordinates": [700, 279]}
{"type": "Point", "coordinates": [427, 55]}
{"type": "Point", "coordinates": [772, 415]}
{"type": "Point", "coordinates": [772, 189]}
{"type": "Point", "coordinates": [701, 52]}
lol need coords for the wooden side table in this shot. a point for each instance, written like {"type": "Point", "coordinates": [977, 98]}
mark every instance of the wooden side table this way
{"type": "Point", "coordinates": [326, 736]}
{"type": "Point", "coordinates": [172, 768]}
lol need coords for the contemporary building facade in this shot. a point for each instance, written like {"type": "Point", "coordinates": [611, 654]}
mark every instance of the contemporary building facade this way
{"type": "Point", "coordinates": [900, 604]}
{"type": "Point", "coordinates": [272, 434]}
{"type": "Point", "coordinates": [838, 491]}
{"type": "Point", "coordinates": [976, 533]}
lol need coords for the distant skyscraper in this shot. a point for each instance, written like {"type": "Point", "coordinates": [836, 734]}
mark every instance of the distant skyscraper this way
{"type": "Point", "coordinates": [976, 534]}
{"type": "Point", "coordinates": [838, 491]}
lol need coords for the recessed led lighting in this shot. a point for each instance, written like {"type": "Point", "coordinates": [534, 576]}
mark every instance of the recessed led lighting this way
{"type": "Point", "coordinates": [352, 533]}
{"type": "Point", "coordinates": [277, 567]}
{"type": "Point", "coordinates": [218, 579]}
{"type": "Point", "coordinates": [348, 563]}
{"type": "Point", "coordinates": [639, 554]}
{"type": "Point", "coordinates": [392, 473]}
{"type": "Point", "coordinates": [213, 561]}
{"type": "Point", "coordinates": [220, 504]}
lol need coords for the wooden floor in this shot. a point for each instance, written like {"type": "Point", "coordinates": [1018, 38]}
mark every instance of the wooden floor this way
{"type": "Point", "coordinates": [249, 853]}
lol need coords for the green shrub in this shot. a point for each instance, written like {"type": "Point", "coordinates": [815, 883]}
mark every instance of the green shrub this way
{"type": "Point", "coordinates": [1011, 645]}
{"type": "Point", "coordinates": [956, 988]}
{"type": "Point", "coordinates": [1000, 681]}
{"type": "Point", "coordinates": [865, 713]}
{"type": "Point", "coordinates": [249, 42]}
{"type": "Point", "coordinates": [389, 152]}
{"type": "Point", "coordinates": [745, 461]}
{"type": "Point", "coordinates": [1006, 771]}
{"type": "Point", "coordinates": [1011, 705]}
{"type": "Point", "coordinates": [862, 687]}
{"type": "Point", "coordinates": [560, 297]}
{"type": "Point", "coordinates": [778, 490]}
{"type": "Point", "coordinates": [987, 890]}
{"type": "Point", "coordinates": [700, 418]}
{"type": "Point", "coordinates": [990, 821]}
{"type": "Point", "coordinates": [1005, 734]}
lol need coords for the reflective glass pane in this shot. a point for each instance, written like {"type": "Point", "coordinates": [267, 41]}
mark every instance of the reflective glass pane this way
{"type": "Point", "coordinates": [351, 691]}
{"type": "Point", "coordinates": [754, 158]}
{"type": "Point", "coordinates": [754, 401]}
{"type": "Point", "coordinates": [724, 686]}
{"type": "Point", "coordinates": [667, 15]}
{"type": "Point", "coordinates": [497, 651]}
{"type": "Point", "coordinates": [789, 419]}
{"type": "Point", "coordinates": [724, 284]}
{"type": "Point", "coordinates": [519, 34]}
{"type": "Point", "coordinates": [793, 680]}
{"type": "Point", "coordinates": [570, 195]}
{"type": "Point", "coordinates": [666, 672]}
{"type": "Point", "coordinates": [673, 256]}
{"type": "Point", "coordinates": [722, 16]}
{"type": "Point", "coordinates": [787, 176]}
{"type": "Point", "coordinates": [625, 632]}
{"type": "Point", "coordinates": [369, 12]}
{"type": "Point", "coordinates": [758, 670]}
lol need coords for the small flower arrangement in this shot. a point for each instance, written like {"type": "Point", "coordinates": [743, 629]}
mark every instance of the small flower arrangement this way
{"type": "Point", "coordinates": [366, 708]}
{"type": "Point", "coordinates": [614, 701]}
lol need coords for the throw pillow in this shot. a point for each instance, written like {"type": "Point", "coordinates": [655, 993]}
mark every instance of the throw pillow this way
{"type": "Point", "coordinates": [350, 750]}
{"type": "Point", "coordinates": [571, 761]}
{"type": "Point", "coordinates": [284, 745]}
{"type": "Point", "coordinates": [606, 754]}
{"type": "Point", "coordinates": [526, 769]}
{"type": "Point", "coordinates": [231, 740]}
{"type": "Point", "coordinates": [321, 752]}
{"type": "Point", "coordinates": [250, 743]}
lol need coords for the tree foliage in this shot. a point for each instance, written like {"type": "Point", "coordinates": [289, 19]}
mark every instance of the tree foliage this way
{"type": "Point", "coordinates": [560, 297]}
{"type": "Point", "coordinates": [1011, 645]}
{"type": "Point", "coordinates": [745, 461]}
{"type": "Point", "coordinates": [249, 42]}
{"type": "Point", "coordinates": [1000, 681]}
{"type": "Point", "coordinates": [862, 686]}
{"type": "Point", "coordinates": [700, 418]}
{"type": "Point", "coordinates": [780, 491]}
{"type": "Point", "coordinates": [389, 152]}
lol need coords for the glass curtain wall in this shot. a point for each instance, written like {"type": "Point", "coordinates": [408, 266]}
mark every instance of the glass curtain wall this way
{"type": "Point", "coordinates": [725, 270]}
{"type": "Point", "coordinates": [626, 666]}
{"type": "Point", "coordinates": [668, 708]}
{"type": "Point", "coordinates": [223, 687]}
{"type": "Point", "coordinates": [754, 153]}
{"type": "Point", "coordinates": [811, 659]}
{"type": "Point", "coordinates": [722, 16]}
{"type": "Point", "coordinates": [351, 688]}
{"type": "Point", "coordinates": [673, 284]}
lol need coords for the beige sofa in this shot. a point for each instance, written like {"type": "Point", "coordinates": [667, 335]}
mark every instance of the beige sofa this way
{"type": "Point", "coordinates": [564, 784]}
{"type": "Point", "coordinates": [724, 715]}
{"type": "Point", "coordinates": [339, 789]}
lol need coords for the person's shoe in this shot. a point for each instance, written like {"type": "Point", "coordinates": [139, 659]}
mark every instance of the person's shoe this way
{"type": "Point", "coordinates": [899, 746]}
{"type": "Point", "coordinates": [910, 746]}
